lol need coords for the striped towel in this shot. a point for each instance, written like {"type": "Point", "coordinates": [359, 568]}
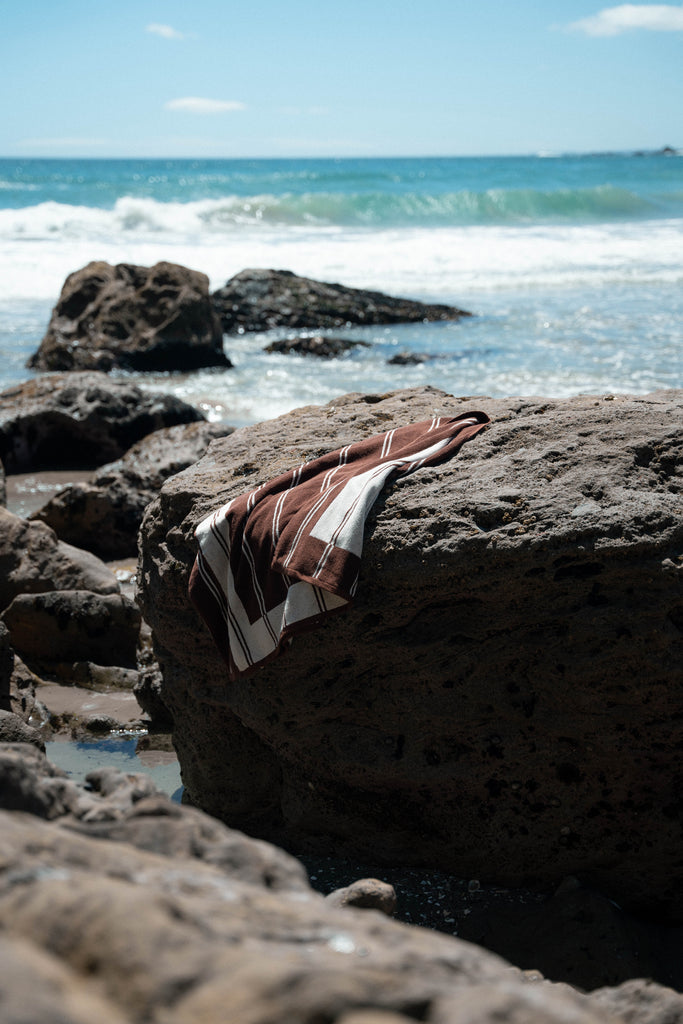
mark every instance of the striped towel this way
{"type": "Point", "coordinates": [277, 560]}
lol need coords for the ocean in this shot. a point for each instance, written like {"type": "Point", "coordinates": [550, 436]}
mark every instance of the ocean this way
{"type": "Point", "coordinates": [572, 265]}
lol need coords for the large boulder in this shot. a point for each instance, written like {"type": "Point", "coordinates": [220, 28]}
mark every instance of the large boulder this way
{"type": "Point", "coordinates": [80, 420]}
{"type": "Point", "coordinates": [256, 300]}
{"type": "Point", "coordinates": [104, 515]}
{"type": "Point", "coordinates": [117, 905]}
{"type": "Point", "coordinates": [504, 698]}
{"type": "Point", "coordinates": [137, 318]}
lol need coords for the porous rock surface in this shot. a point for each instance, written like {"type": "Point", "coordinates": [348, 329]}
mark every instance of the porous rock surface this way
{"type": "Point", "coordinates": [118, 905]}
{"type": "Point", "coordinates": [69, 420]}
{"type": "Point", "coordinates": [256, 300]}
{"type": "Point", "coordinates": [67, 626]}
{"type": "Point", "coordinates": [504, 698]}
{"type": "Point", "coordinates": [104, 516]}
{"type": "Point", "coordinates": [137, 318]}
{"type": "Point", "coordinates": [33, 561]}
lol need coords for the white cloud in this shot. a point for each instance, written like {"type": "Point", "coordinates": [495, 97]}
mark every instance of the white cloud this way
{"type": "Point", "coordinates": [202, 105]}
{"type": "Point", "coordinates": [612, 21]}
{"type": "Point", "coordinates": [165, 31]}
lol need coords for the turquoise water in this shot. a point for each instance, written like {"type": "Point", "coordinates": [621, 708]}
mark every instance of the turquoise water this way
{"type": "Point", "coordinates": [374, 193]}
{"type": "Point", "coordinates": [573, 265]}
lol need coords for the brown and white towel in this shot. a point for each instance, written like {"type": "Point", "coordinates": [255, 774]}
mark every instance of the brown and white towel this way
{"type": "Point", "coordinates": [276, 560]}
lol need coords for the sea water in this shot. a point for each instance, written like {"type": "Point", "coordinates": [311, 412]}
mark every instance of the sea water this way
{"type": "Point", "coordinates": [572, 265]}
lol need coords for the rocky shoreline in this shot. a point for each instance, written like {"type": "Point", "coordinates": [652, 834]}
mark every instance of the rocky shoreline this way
{"type": "Point", "coordinates": [485, 744]}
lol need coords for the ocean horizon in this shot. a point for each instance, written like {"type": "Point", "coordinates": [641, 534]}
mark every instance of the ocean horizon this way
{"type": "Point", "coordinates": [571, 264]}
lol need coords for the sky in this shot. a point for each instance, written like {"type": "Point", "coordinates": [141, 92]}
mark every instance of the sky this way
{"type": "Point", "coordinates": [305, 78]}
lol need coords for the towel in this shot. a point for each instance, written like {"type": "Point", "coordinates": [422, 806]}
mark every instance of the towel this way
{"type": "Point", "coordinates": [280, 558]}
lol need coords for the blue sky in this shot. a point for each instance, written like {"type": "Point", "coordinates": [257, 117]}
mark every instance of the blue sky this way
{"type": "Point", "coordinates": [358, 78]}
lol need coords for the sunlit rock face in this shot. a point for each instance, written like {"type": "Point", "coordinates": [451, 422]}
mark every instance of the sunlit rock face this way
{"type": "Point", "coordinates": [503, 700]}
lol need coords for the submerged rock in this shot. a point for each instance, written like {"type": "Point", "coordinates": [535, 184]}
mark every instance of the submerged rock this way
{"type": "Point", "coordinates": [256, 300]}
{"type": "Point", "coordinates": [137, 318]}
{"type": "Point", "coordinates": [503, 700]}
{"type": "Point", "coordinates": [80, 420]}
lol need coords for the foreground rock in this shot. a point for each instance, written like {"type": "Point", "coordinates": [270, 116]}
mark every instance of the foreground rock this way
{"type": "Point", "coordinates": [80, 420]}
{"type": "Point", "coordinates": [137, 318]}
{"type": "Point", "coordinates": [104, 516]}
{"type": "Point", "coordinates": [504, 699]}
{"type": "Point", "coordinates": [256, 300]}
{"type": "Point", "coordinates": [117, 905]}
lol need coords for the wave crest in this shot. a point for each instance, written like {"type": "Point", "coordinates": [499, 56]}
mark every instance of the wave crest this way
{"type": "Point", "coordinates": [377, 210]}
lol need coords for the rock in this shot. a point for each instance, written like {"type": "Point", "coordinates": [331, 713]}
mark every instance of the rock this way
{"type": "Point", "coordinates": [137, 318]}
{"type": "Point", "coordinates": [14, 729]}
{"type": "Point", "coordinates": [66, 626]}
{"type": "Point", "coordinates": [640, 1001]}
{"type": "Point", "coordinates": [35, 986]}
{"type": "Point", "coordinates": [366, 894]}
{"type": "Point", "coordinates": [318, 345]}
{"type": "Point", "coordinates": [104, 678]}
{"type": "Point", "coordinates": [503, 700]}
{"type": "Point", "coordinates": [3, 487]}
{"type": "Point", "coordinates": [104, 516]}
{"type": "Point", "coordinates": [80, 420]}
{"type": "Point", "coordinates": [148, 692]}
{"type": "Point", "coordinates": [409, 359]}
{"type": "Point", "coordinates": [256, 300]}
{"type": "Point", "coordinates": [162, 914]}
{"type": "Point", "coordinates": [33, 561]}
{"type": "Point", "coordinates": [6, 666]}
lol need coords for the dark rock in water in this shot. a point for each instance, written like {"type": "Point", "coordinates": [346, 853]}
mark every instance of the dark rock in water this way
{"type": "Point", "coordinates": [503, 700]}
{"type": "Point", "coordinates": [104, 516]}
{"type": "Point", "coordinates": [318, 345]}
{"type": "Point", "coordinates": [409, 359]}
{"type": "Point", "coordinates": [137, 318]}
{"type": "Point", "coordinates": [80, 420]}
{"type": "Point", "coordinates": [34, 561]}
{"type": "Point", "coordinates": [256, 300]}
{"type": "Point", "coordinates": [118, 905]}
{"type": "Point", "coordinates": [66, 626]}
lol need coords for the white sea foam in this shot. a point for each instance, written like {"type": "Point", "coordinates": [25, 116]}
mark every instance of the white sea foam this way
{"type": "Point", "coordinates": [41, 245]}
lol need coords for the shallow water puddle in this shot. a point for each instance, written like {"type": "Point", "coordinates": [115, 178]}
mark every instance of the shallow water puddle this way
{"type": "Point", "coordinates": [125, 752]}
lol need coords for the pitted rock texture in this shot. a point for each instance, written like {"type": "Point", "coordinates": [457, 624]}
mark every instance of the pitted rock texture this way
{"type": "Point", "coordinates": [80, 420]}
{"type": "Point", "coordinates": [34, 561]}
{"type": "Point", "coordinates": [137, 318]}
{"type": "Point", "coordinates": [104, 516]}
{"type": "Point", "coordinates": [117, 905]}
{"type": "Point", "coordinates": [256, 300]}
{"type": "Point", "coordinates": [504, 699]}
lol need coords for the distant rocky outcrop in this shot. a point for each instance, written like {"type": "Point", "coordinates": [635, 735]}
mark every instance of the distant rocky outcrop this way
{"type": "Point", "coordinates": [318, 345]}
{"type": "Point", "coordinates": [256, 300]}
{"type": "Point", "coordinates": [80, 420]}
{"type": "Point", "coordinates": [137, 318]}
{"type": "Point", "coordinates": [118, 905]}
{"type": "Point", "coordinates": [104, 516]}
{"type": "Point", "coordinates": [504, 698]}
